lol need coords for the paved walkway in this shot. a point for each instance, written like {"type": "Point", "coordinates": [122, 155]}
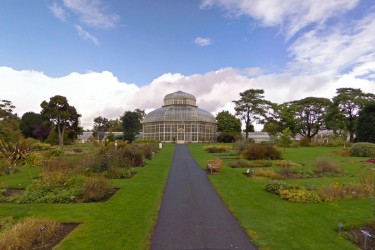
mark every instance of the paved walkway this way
{"type": "Point", "coordinates": [192, 216]}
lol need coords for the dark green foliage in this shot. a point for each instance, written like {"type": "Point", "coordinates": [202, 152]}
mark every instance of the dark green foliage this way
{"type": "Point", "coordinates": [216, 149]}
{"type": "Point", "coordinates": [64, 116]}
{"type": "Point", "coordinates": [226, 122]}
{"type": "Point", "coordinates": [363, 149]}
{"type": "Point", "coordinates": [33, 125]}
{"type": "Point", "coordinates": [276, 186]}
{"type": "Point", "coordinates": [365, 129]}
{"type": "Point", "coordinates": [260, 152]}
{"type": "Point", "coordinates": [131, 122]}
{"type": "Point", "coordinates": [251, 107]}
{"type": "Point", "coordinates": [309, 114]}
{"type": "Point", "coordinates": [229, 137]}
{"type": "Point", "coordinates": [346, 107]}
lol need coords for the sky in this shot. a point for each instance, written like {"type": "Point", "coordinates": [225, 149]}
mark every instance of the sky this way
{"type": "Point", "coordinates": [108, 57]}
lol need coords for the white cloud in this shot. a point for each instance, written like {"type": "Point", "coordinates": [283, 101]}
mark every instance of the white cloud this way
{"type": "Point", "coordinates": [92, 13]}
{"type": "Point", "coordinates": [290, 15]}
{"type": "Point", "coordinates": [58, 11]}
{"type": "Point", "coordinates": [101, 93]}
{"type": "Point", "coordinates": [202, 41]}
{"type": "Point", "coordinates": [335, 49]}
{"type": "Point", "coordinates": [86, 35]}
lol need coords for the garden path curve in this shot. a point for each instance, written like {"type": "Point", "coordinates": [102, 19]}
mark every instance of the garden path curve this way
{"type": "Point", "coordinates": [192, 216]}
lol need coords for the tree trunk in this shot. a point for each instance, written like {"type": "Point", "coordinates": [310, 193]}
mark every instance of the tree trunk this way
{"type": "Point", "coordinates": [60, 132]}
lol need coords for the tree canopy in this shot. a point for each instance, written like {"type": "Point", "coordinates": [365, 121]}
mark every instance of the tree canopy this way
{"type": "Point", "coordinates": [64, 116]}
{"type": "Point", "coordinates": [35, 126]}
{"type": "Point", "coordinates": [226, 122]}
{"type": "Point", "coordinates": [101, 125]}
{"type": "Point", "coordinates": [308, 114]}
{"type": "Point", "coordinates": [365, 129]}
{"type": "Point", "coordinates": [9, 122]}
{"type": "Point", "coordinates": [346, 106]}
{"type": "Point", "coordinates": [251, 107]}
{"type": "Point", "coordinates": [131, 122]}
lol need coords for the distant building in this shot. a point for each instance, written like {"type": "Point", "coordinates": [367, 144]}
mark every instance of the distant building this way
{"type": "Point", "coordinates": [86, 136]}
{"type": "Point", "coordinates": [258, 136]}
{"type": "Point", "coordinates": [179, 120]}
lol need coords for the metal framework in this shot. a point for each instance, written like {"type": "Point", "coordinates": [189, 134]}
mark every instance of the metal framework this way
{"type": "Point", "coordinates": [179, 120]}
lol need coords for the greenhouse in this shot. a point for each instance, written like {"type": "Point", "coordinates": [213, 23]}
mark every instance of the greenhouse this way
{"type": "Point", "coordinates": [179, 120]}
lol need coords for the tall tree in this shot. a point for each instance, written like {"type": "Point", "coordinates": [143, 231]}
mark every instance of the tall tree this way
{"type": "Point", "coordinates": [131, 122]}
{"type": "Point", "coordinates": [226, 122]}
{"type": "Point", "coordinates": [9, 122]}
{"type": "Point", "coordinates": [64, 116]}
{"type": "Point", "coordinates": [229, 127]}
{"type": "Point", "coordinates": [6, 109]}
{"type": "Point", "coordinates": [365, 129]}
{"type": "Point", "coordinates": [308, 114]}
{"type": "Point", "coordinates": [251, 107]}
{"type": "Point", "coordinates": [115, 125]}
{"type": "Point", "coordinates": [346, 106]}
{"type": "Point", "coordinates": [101, 125]}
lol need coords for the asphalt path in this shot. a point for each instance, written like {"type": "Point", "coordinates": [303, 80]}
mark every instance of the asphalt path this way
{"type": "Point", "coordinates": [192, 215]}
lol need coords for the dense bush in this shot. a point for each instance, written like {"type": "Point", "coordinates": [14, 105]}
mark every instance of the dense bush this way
{"type": "Point", "coordinates": [324, 165]}
{"type": "Point", "coordinates": [265, 173]}
{"type": "Point", "coordinates": [363, 149]}
{"type": "Point", "coordinates": [216, 149]}
{"type": "Point", "coordinates": [300, 196]}
{"type": "Point", "coordinates": [243, 163]}
{"type": "Point", "coordinates": [347, 191]}
{"type": "Point", "coordinates": [261, 152]}
{"type": "Point", "coordinates": [276, 187]}
{"type": "Point", "coordinates": [15, 153]}
{"type": "Point", "coordinates": [26, 234]}
{"type": "Point", "coordinates": [304, 142]}
{"type": "Point", "coordinates": [94, 189]}
{"type": "Point", "coordinates": [229, 137]}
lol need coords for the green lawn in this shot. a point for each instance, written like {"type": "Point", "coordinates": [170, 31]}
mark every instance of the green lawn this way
{"type": "Point", "coordinates": [125, 221]}
{"type": "Point", "coordinates": [276, 224]}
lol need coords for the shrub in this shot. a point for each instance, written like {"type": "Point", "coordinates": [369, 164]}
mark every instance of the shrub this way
{"type": "Point", "coordinates": [33, 160]}
{"type": "Point", "coordinates": [324, 165]}
{"type": "Point", "coordinates": [346, 191]}
{"type": "Point", "coordinates": [216, 149]}
{"type": "Point", "coordinates": [276, 187]}
{"type": "Point", "coordinates": [15, 153]}
{"type": "Point", "coordinates": [300, 196]}
{"type": "Point", "coordinates": [285, 168]}
{"type": "Point", "coordinates": [7, 168]}
{"type": "Point", "coordinates": [26, 234]}
{"type": "Point", "coordinates": [241, 145]}
{"type": "Point", "coordinates": [228, 137]}
{"type": "Point", "coordinates": [304, 142]}
{"type": "Point", "coordinates": [117, 173]}
{"type": "Point", "coordinates": [95, 188]}
{"type": "Point", "coordinates": [265, 173]}
{"type": "Point", "coordinates": [363, 149]}
{"type": "Point", "coordinates": [260, 152]}
{"type": "Point", "coordinates": [243, 163]}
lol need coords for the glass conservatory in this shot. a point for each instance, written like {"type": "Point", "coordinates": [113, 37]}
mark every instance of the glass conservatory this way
{"type": "Point", "coordinates": [179, 120]}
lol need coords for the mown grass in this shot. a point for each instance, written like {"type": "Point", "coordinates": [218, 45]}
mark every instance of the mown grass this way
{"type": "Point", "coordinates": [273, 223]}
{"type": "Point", "coordinates": [125, 221]}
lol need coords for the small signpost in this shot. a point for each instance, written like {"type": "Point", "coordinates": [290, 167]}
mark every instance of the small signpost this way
{"type": "Point", "coordinates": [367, 235]}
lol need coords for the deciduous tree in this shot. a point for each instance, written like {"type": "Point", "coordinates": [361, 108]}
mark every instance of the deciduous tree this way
{"type": "Point", "coordinates": [64, 116]}
{"type": "Point", "coordinates": [308, 114]}
{"type": "Point", "coordinates": [131, 122]}
{"type": "Point", "coordinates": [346, 106]}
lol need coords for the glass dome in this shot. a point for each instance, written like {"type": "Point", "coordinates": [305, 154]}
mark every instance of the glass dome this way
{"type": "Point", "coordinates": [179, 120]}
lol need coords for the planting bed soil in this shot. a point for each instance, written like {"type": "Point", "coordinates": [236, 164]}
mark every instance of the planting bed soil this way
{"type": "Point", "coordinates": [358, 238]}
{"type": "Point", "coordinates": [13, 191]}
{"type": "Point", "coordinates": [108, 195]}
{"type": "Point", "coordinates": [66, 228]}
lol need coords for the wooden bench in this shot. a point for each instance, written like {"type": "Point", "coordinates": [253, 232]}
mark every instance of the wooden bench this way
{"type": "Point", "coordinates": [214, 166]}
